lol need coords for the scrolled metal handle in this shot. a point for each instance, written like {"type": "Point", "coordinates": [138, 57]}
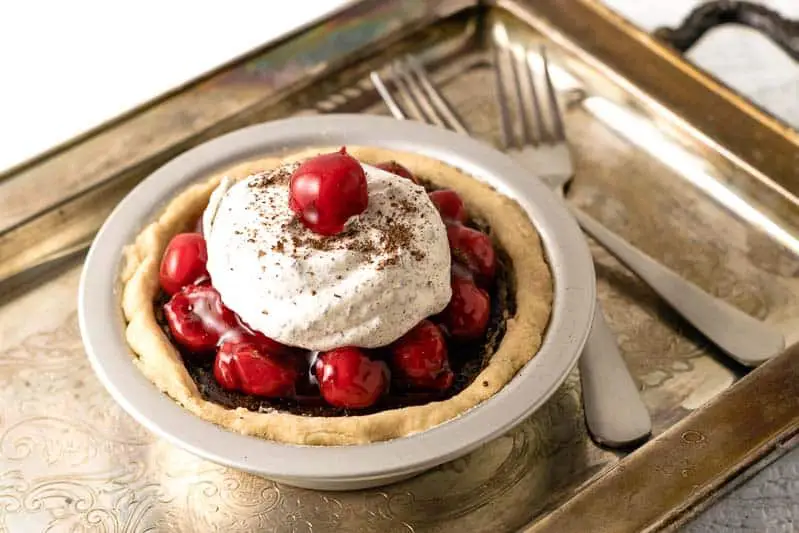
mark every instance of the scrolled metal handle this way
{"type": "Point", "coordinates": [782, 31]}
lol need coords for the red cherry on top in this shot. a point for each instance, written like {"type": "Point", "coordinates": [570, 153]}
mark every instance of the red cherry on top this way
{"type": "Point", "coordinates": [326, 190]}
{"type": "Point", "coordinates": [474, 249]}
{"type": "Point", "coordinates": [197, 318]}
{"type": "Point", "coordinates": [419, 358]}
{"type": "Point", "coordinates": [449, 204]}
{"type": "Point", "coordinates": [348, 378]}
{"type": "Point", "coordinates": [183, 262]}
{"type": "Point", "coordinates": [466, 316]}
{"type": "Point", "coordinates": [252, 368]}
{"type": "Point", "coordinates": [398, 170]}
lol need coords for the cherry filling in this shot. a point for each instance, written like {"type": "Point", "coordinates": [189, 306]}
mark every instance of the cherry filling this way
{"type": "Point", "coordinates": [183, 262]}
{"type": "Point", "coordinates": [398, 170]}
{"type": "Point", "coordinates": [449, 205]}
{"type": "Point", "coordinates": [257, 368]}
{"type": "Point", "coordinates": [238, 367]}
{"type": "Point", "coordinates": [419, 359]}
{"type": "Point", "coordinates": [198, 319]}
{"type": "Point", "coordinates": [348, 377]}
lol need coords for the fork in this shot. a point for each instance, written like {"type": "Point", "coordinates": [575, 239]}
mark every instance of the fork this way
{"type": "Point", "coordinates": [615, 413]}
{"type": "Point", "coordinates": [742, 337]}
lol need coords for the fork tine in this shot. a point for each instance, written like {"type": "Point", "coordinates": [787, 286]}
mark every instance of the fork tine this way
{"type": "Point", "coordinates": [500, 35]}
{"type": "Point", "coordinates": [405, 92]}
{"type": "Point", "coordinates": [416, 94]}
{"type": "Point", "coordinates": [557, 119]}
{"type": "Point", "coordinates": [385, 94]}
{"type": "Point", "coordinates": [516, 56]}
{"type": "Point", "coordinates": [540, 128]}
{"type": "Point", "coordinates": [438, 101]}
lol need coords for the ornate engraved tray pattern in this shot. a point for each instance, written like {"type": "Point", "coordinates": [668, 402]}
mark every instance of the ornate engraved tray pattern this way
{"type": "Point", "coordinates": [72, 460]}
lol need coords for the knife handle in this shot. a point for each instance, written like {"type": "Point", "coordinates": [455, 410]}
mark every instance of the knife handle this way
{"type": "Point", "coordinates": [614, 411]}
{"type": "Point", "coordinates": [744, 338]}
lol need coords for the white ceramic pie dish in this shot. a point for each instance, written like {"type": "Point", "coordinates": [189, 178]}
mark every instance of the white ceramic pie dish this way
{"type": "Point", "coordinates": [338, 467]}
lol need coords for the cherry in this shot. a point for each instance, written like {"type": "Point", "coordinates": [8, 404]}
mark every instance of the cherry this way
{"type": "Point", "coordinates": [466, 315]}
{"type": "Point", "coordinates": [325, 191]}
{"type": "Point", "coordinates": [252, 368]}
{"type": "Point", "coordinates": [348, 378]}
{"type": "Point", "coordinates": [449, 204]}
{"type": "Point", "coordinates": [242, 332]}
{"type": "Point", "coordinates": [398, 170]}
{"type": "Point", "coordinates": [419, 358]}
{"type": "Point", "coordinates": [474, 249]}
{"type": "Point", "coordinates": [197, 317]}
{"type": "Point", "coordinates": [183, 262]}
{"type": "Point", "coordinates": [460, 270]}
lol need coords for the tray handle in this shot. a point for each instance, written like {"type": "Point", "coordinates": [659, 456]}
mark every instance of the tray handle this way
{"type": "Point", "coordinates": [782, 31]}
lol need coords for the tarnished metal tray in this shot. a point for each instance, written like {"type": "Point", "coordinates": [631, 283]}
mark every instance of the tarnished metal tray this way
{"type": "Point", "coordinates": [680, 165]}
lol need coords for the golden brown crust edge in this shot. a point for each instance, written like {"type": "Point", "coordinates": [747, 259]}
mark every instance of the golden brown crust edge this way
{"type": "Point", "coordinates": [161, 362]}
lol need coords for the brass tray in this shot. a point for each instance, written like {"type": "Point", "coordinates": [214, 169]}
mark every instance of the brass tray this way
{"type": "Point", "coordinates": [666, 156]}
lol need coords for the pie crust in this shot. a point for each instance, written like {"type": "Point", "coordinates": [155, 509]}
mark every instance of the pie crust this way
{"type": "Point", "coordinates": [161, 362]}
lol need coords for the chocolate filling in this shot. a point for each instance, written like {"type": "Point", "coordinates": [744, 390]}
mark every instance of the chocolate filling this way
{"type": "Point", "coordinates": [467, 359]}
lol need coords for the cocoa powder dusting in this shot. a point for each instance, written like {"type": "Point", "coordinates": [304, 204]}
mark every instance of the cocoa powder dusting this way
{"type": "Point", "coordinates": [392, 238]}
{"type": "Point", "coordinates": [383, 242]}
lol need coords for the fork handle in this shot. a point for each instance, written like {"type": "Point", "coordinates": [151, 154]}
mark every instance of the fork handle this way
{"type": "Point", "coordinates": [615, 414]}
{"type": "Point", "coordinates": [744, 338]}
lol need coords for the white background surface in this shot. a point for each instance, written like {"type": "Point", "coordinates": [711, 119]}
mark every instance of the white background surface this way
{"type": "Point", "coordinates": [68, 66]}
{"type": "Point", "coordinates": [740, 57]}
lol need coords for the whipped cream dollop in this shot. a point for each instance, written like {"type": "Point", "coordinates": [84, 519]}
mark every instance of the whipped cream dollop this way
{"type": "Point", "coordinates": [366, 287]}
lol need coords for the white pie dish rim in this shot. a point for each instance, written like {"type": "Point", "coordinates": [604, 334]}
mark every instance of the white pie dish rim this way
{"type": "Point", "coordinates": [338, 467]}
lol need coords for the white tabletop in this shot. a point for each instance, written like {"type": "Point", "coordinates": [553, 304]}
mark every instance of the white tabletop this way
{"type": "Point", "coordinates": [85, 62]}
{"type": "Point", "coordinates": [112, 56]}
